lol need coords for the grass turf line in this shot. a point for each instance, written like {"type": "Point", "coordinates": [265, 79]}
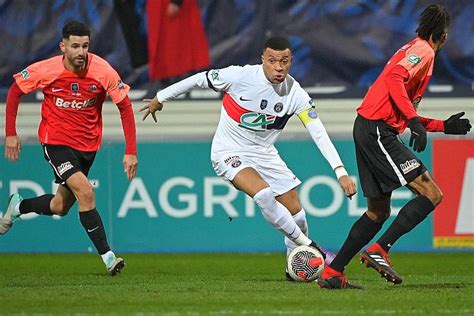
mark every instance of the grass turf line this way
{"type": "Point", "coordinates": [228, 284]}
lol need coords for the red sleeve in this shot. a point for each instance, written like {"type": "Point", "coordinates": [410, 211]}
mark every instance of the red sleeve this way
{"type": "Point", "coordinates": [128, 124]}
{"type": "Point", "coordinates": [396, 88]}
{"type": "Point", "coordinates": [11, 109]}
{"type": "Point", "coordinates": [432, 125]}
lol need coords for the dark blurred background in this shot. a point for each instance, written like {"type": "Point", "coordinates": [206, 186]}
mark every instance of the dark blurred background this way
{"type": "Point", "coordinates": [342, 44]}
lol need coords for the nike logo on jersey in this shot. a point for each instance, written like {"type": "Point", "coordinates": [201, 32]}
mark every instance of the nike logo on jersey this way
{"type": "Point", "coordinates": [57, 89]}
{"type": "Point", "coordinates": [91, 230]}
{"type": "Point", "coordinates": [243, 99]}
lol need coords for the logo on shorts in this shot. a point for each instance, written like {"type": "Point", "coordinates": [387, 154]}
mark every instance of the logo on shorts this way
{"type": "Point", "coordinates": [278, 107]}
{"type": "Point", "coordinates": [234, 161]}
{"type": "Point", "coordinates": [409, 165]}
{"type": "Point", "coordinates": [65, 166]}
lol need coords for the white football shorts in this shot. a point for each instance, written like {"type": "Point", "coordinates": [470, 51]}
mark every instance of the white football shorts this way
{"type": "Point", "coordinates": [270, 166]}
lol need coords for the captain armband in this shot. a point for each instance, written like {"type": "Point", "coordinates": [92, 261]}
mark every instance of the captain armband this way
{"type": "Point", "coordinates": [308, 115]}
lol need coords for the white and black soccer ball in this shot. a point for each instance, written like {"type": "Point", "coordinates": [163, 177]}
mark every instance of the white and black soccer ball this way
{"type": "Point", "coordinates": [305, 264]}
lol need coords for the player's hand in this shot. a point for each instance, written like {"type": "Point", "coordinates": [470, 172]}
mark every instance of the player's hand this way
{"type": "Point", "coordinates": [348, 186]}
{"type": "Point", "coordinates": [418, 135]}
{"type": "Point", "coordinates": [455, 125]}
{"type": "Point", "coordinates": [12, 147]}
{"type": "Point", "coordinates": [130, 164]}
{"type": "Point", "coordinates": [151, 106]}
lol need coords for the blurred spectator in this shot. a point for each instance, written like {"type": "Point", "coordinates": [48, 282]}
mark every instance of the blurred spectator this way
{"type": "Point", "coordinates": [133, 31]}
{"type": "Point", "coordinates": [177, 43]}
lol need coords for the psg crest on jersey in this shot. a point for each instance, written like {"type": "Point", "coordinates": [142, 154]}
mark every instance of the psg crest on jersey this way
{"type": "Point", "coordinates": [278, 107]}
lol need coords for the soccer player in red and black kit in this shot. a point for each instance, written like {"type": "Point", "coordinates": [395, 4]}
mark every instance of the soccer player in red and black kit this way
{"type": "Point", "coordinates": [75, 85]}
{"type": "Point", "coordinates": [385, 163]}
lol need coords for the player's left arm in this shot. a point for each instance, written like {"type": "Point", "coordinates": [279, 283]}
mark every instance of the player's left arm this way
{"type": "Point", "coordinates": [309, 118]}
{"type": "Point", "coordinates": [130, 161]}
{"type": "Point", "coordinates": [454, 125]}
{"type": "Point", "coordinates": [118, 92]}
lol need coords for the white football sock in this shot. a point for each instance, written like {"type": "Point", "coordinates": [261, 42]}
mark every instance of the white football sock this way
{"type": "Point", "coordinates": [300, 220]}
{"type": "Point", "coordinates": [279, 216]}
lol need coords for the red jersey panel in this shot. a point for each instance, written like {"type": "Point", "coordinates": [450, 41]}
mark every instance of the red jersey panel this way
{"type": "Point", "coordinates": [417, 58]}
{"type": "Point", "coordinates": [71, 112]}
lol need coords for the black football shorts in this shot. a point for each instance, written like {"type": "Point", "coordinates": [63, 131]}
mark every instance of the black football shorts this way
{"type": "Point", "coordinates": [384, 163]}
{"type": "Point", "coordinates": [66, 161]}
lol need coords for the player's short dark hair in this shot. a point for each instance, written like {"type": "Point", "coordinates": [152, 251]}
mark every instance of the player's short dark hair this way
{"type": "Point", "coordinates": [75, 28]}
{"type": "Point", "coordinates": [277, 43]}
{"type": "Point", "coordinates": [434, 21]}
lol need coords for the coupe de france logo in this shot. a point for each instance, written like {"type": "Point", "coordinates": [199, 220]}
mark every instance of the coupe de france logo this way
{"type": "Point", "coordinates": [25, 74]}
{"type": "Point", "coordinates": [414, 59]}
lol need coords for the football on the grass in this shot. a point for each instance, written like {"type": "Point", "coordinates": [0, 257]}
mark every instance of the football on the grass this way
{"type": "Point", "coordinates": [305, 264]}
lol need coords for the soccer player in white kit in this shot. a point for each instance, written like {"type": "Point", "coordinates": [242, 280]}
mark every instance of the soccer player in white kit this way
{"type": "Point", "coordinates": [258, 102]}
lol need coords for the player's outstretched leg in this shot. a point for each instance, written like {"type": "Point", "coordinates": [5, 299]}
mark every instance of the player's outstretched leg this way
{"type": "Point", "coordinates": [377, 258]}
{"type": "Point", "coordinates": [12, 213]}
{"type": "Point", "coordinates": [335, 280]}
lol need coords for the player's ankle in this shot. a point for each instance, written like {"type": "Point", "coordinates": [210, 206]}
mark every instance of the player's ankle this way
{"type": "Point", "coordinates": [330, 272]}
{"type": "Point", "coordinates": [375, 247]}
{"type": "Point", "coordinates": [108, 257]}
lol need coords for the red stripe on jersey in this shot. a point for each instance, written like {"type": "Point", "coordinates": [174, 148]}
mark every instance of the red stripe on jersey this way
{"type": "Point", "coordinates": [233, 109]}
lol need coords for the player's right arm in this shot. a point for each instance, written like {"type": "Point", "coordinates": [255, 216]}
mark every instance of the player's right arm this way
{"type": "Point", "coordinates": [309, 118]}
{"type": "Point", "coordinates": [35, 76]}
{"type": "Point", "coordinates": [216, 79]}
{"type": "Point", "coordinates": [12, 140]}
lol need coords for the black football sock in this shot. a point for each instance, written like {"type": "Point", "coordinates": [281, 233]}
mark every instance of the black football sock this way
{"type": "Point", "coordinates": [39, 205]}
{"type": "Point", "coordinates": [362, 231]}
{"type": "Point", "coordinates": [94, 227]}
{"type": "Point", "coordinates": [413, 213]}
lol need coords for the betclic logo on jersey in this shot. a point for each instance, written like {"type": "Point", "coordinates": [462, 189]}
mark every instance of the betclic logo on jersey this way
{"type": "Point", "coordinates": [74, 104]}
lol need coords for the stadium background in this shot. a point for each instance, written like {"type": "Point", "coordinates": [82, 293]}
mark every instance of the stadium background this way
{"type": "Point", "coordinates": [176, 200]}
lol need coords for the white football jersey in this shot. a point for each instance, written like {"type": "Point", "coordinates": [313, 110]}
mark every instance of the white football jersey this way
{"type": "Point", "coordinates": [254, 110]}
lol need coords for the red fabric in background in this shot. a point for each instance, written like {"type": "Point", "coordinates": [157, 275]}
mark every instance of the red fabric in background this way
{"type": "Point", "coordinates": [176, 45]}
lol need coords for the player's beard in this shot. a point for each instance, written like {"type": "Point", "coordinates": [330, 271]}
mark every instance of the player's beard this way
{"type": "Point", "coordinates": [79, 62]}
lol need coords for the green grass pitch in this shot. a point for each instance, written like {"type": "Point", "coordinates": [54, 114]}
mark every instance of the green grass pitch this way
{"type": "Point", "coordinates": [227, 284]}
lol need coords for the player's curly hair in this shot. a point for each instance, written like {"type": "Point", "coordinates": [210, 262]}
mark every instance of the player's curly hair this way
{"type": "Point", "coordinates": [434, 21]}
{"type": "Point", "coordinates": [75, 28]}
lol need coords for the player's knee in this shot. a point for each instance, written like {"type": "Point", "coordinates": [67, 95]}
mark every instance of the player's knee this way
{"type": "Point", "coordinates": [378, 216]}
{"type": "Point", "coordinates": [63, 211]}
{"type": "Point", "coordinates": [85, 195]}
{"type": "Point", "coordinates": [59, 207]}
{"type": "Point", "coordinates": [264, 198]}
{"type": "Point", "coordinates": [435, 196]}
